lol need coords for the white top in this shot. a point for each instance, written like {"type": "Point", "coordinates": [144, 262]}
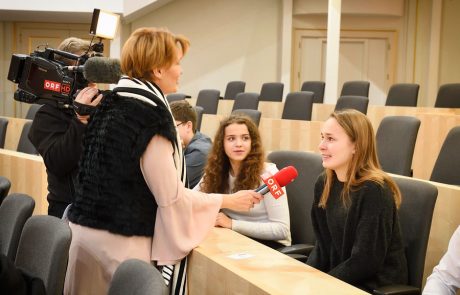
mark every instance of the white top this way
{"type": "Point", "coordinates": [445, 279]}
{"type": "Point", "coordinates": [268, 220]}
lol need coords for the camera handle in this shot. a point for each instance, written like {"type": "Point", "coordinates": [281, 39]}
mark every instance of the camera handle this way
{"type": "Point", "coordinates": [83, 109]}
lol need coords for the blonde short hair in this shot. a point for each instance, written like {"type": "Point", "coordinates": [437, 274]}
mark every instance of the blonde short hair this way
{"type": "Point", "coordinates": [72, 45]}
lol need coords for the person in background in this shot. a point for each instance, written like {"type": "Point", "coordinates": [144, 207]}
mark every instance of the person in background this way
{"type": "Point", "coordinates": [354, 213]}
{"type": "Point", "coordinates": [236, 162]}
{"type": "Point", "coordinates": [445, 279]}
{"type": "Point", "coordinates": [196, 144]}
{"type": "Point", "coordinates": [130, 198]}
{"type": "Point", "coordinates": [57, 134]}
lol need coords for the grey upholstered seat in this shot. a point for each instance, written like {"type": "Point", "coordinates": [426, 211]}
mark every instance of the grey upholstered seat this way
{"type": "Point", "coordinates": [14, 212]}
{"type": "Point", "coordinates": [233, 88]}
{"type": "Point", "coordinates": [246, 100]}
{"type": "Point", "coordinates": [32, 111]}
{"type": "Point", "coordinates": [300, 194]}
{"type": "Point", "coordinates": [357, 88]}
{"type": "Point", "coordinates": [403, 94]}
{"type": "Point", "coordinates": [136, 277]}
{"type": "Point", "coordinates": [448, 96]}
{"type": "Point", "coordinates": [43, 251]}
{"type": "Point", "coordinates": [317, 87]}
{"type": "Point", "coordinates": [175, 96]}
{"type": "Point", "coordinates": [5, 185]}
{"type": "Point", "coordinates": [24, 144]}
{"type": "Point", "coordinates": [199, 116]}
{"type": "Point", "coordinates": [447, 166]}
{"type": "Point", "coordinates": [272, 91]}
{"type": "Point", "coordinates": [358, 103]}
{"type": "Point", "coordinates": [208, 99]}
{"type": "Point", "coordinates": [396, 137]}
{"type": "Point", "coordinates": [298, 106]}
{"type": "Point", "coordinates": [415, 216]}
{"type": "Point", "coordinates": [3, 128]}
{"type": "Point", "coordinates": [253, 114]}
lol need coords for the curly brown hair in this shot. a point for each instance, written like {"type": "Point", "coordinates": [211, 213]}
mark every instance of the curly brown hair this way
{"type": "Point", "coordinates": [217, 169]}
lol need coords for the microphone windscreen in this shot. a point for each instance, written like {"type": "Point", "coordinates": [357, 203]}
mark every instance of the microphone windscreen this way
{"type": "Point", "coordinates": [286, 175]}
{"type": "Point", "coordinates": [102, 70]}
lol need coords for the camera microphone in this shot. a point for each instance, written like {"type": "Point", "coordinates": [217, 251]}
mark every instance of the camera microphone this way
{"type": "Point", "coordinates": [99, 70]}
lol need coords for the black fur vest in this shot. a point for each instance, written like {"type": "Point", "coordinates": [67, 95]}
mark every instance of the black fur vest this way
{"type": "Point", "coordinates": [111, 192]}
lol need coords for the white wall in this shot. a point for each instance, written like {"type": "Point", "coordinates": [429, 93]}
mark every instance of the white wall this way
{"type": "Point", "coordinates": [59, 5]}
{"type": "Point", "coordinates": [230, 40]}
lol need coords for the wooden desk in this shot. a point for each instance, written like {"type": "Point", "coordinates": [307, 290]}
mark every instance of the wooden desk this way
{"type": "Point", "coordinates": [212, 270]}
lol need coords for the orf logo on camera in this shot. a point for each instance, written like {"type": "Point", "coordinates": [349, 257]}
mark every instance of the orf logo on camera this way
{"type": "Point", "coordinates": [52, 85]}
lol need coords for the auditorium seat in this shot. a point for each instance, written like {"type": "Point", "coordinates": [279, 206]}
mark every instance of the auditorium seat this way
{"type": "Point", "coordinates": [208, 99]}
{"type": "Point", "coordinates": [5, 185]}
{"type": "Point", "coordinates": [246, 100]}
{"type": "Point", "coordinates": [44, 250]}
{"type": "Point", "coordinates": [317, 87]}
{"type": "Point", "coordinates": [254, 115]}
{"type": "Point", "coordinates": [272, 91]}
{"type": "Point", "coordinates": [136, 277]}
{"type": "Point", "coordinates": [300, 194]}
{"type": "Point", "coordinates": [448, 96]}
{"type": "Point", "coordinates": [395, 140]}
{"type": "Point", "coordinates": [357, 88]}
{"type": "Point", "coordinates": [3, 128]}
{"type": "Point", "coordinates": [358, 103]}
{"type": "Point", "coordinates": [415, 216]}
{"type": "Point", "coordinates": [447, 166]}
{"type": "Point", "coordinates": [298, 106]}
{"type": "Point", "coordinates": [175, 96]}
{"type": "Point", "coordinates": [233, 88]}
{"type": "Point", "coordinates": [32, 111]}
{"type": "Point", "coordinates": [403, 94]}
{"type": "Point", "coordinates": [14, 212]}
{"type": "Point", "coordinates": [199, 116]}
{"type": "Point", "coordinates": [24, 144]}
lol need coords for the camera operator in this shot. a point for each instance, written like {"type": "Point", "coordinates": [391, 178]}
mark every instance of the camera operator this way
{"type": "Point", "coordinates": [57, 135]}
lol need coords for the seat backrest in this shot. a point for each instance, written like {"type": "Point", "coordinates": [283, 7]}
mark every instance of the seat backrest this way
{"type": "Point", "coordinates": [301, 191]}
{"type": "Point", "coordinates": [233, 88]}
{"type": "Point", "coordinates": [44, 250]}
{"type": "Point", "coordinates": [447, 166]}
{"type": "Point", "coordinates": [403, 94]}
{"type": "Point", "coordinates": [5, 185]}
{"type": "Point", "coordinates": [14, 212]}
{"type": "Point", "coordinates": [246, 100]}
{"type": "Point", "coordinates": [208, 99]}
{"type": "Point", "coordinates": [254, 115]}
{"type": "Point", "coordinates": [448, 96]}
{"type": "Point", "coordinates": [136, 277]}
{"type": "Point", "coordinates": [298, 106]}
{"type": "Point", "coordinates": [175, 96]}
{"type": "Point", "coordinates": [415, 215]}
{"type": "Point", "coordinates": [272, 91]}
{"type": "Point", "coordinates": [358, 103]}
{"type": "Point", "coordinates": [3, 128]}
{"type": "Point", "coordinates": [24, 144]}
{"type": "Point", "coordinates": [32, 111]}
{"type": "Point", "coordinates": [199, 116]}
{"type": "Point", "coordinates": [317, 87]}
{"type": "Point", "coordinates": [358, 88]}
{"type": "Point", "coordinates": [396, 137]}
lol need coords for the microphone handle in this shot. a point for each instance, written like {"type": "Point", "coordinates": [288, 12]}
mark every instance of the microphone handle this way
{"type": "Point", "coordinates": [263, 190]}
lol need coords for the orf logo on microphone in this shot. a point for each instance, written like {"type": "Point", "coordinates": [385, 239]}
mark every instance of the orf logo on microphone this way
{"type": "Point", "coordinates": [275, 188]}
{"type": "Point", "coordinates": [52, 85]}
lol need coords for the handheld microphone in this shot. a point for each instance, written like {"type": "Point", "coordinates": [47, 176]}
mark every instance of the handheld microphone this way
{"type": "Point", "coordinates": [99, 70]}
{"type": "Point", "coordinates": [277, 181]}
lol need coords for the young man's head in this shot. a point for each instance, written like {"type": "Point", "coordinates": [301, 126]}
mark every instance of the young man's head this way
{"type": "Point", "coordinates": [185, 117]}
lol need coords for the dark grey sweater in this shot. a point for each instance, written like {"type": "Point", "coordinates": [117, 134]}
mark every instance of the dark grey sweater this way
{"type": "Point", "coordinates": [361, 244]}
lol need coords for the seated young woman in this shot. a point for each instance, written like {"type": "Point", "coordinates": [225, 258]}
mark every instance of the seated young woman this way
{"type": "Point", "coordinates": [236, 162]}
{"type": "Point", "coordinates": [354, 214]}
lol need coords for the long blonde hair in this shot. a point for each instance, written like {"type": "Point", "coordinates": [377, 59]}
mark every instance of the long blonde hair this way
{"type": "Point", "coordinates": [364, 164]}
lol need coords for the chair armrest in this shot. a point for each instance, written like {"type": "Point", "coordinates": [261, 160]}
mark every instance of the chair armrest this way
{"type": "Point", "coordinates": [396, 290]}
{"type": "Point", "coordinates": [304, 249]}
{"type": "Point", "coordinates": [188, 96]}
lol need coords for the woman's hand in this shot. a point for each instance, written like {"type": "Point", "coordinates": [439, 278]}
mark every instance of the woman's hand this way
{"type": "Point", "coordinates": [223, 220]}
{"type": "Point", "coordinates": [242, 200]}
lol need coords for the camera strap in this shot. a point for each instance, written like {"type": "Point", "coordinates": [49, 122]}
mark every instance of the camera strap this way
{"type": "Point", "coordinates": [83, 109]}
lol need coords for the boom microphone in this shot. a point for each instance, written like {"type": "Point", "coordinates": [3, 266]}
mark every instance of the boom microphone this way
{"type": "Point", "coordinates": [282, 177]}
{"type": "Point", "coordinates": [100, 70]}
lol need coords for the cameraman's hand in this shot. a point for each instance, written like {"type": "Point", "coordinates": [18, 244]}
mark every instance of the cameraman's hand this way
{"type": "Point", "coordinates": [242, 200]}
{"type": "Point", "coordinates": [85, 96]}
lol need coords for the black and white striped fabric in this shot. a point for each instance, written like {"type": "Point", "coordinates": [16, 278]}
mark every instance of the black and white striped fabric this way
{"type": "Point", "coordinates": [174, 275]}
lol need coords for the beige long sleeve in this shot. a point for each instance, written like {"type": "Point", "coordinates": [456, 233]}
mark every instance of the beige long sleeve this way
{"type": "Point", "coordinates": [184, 217]}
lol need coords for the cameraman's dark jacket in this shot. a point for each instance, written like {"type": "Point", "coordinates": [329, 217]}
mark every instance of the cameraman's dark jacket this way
{"type": "Point", "coordinates": [57, 135]}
